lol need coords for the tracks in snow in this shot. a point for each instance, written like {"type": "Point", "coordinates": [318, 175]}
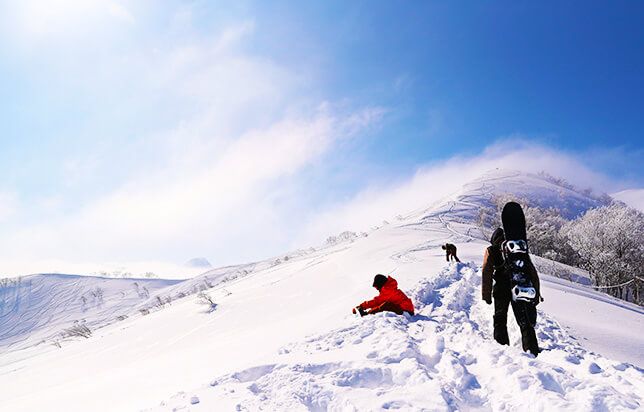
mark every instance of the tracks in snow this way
{"type": "Point", "coordinates": [441, 359]}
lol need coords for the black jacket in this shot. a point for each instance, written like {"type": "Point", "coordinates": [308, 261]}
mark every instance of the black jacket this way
{"type": "Point", "coordinates": [493, 268]}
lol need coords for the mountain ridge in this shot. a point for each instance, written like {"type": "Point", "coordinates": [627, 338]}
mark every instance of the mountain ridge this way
{"type": "Point", "coordinates": [285, 323]}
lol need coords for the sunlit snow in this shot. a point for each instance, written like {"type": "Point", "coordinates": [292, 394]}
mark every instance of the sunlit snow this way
{"type": "Point", "coordinates": [282, 336]}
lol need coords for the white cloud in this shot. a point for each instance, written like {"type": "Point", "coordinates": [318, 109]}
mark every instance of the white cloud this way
{"type": "Point", "coordinates": [8, 206]}
{"type": "Point", "coordinates": [236, 131]}
{"type": "Point", "coordinates": [232, 35]}
{"type": "Point", "coordinates": [64, 18]}
{"type": "Point", "coordinates": [120, 12]}
{"type": "Point", "coordinates": [242, 200]}
{"type": "Point", "coordinates": [229, 189]}
{"type": "Point", "coordinates": [14, 268]}
{"type": "Point", "coordinates": [220, 178]}
{"type": "Point", "coordinates": [403, 82]}
{"type": "Point", "coordinates": [436, 180]}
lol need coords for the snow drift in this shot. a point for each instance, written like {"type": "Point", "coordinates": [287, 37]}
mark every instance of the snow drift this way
{"type": "Point", "coordinates": [282, 336]}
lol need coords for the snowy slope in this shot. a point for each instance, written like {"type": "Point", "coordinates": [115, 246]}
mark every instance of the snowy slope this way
{"type": "Point", "coordinates": [282, 337]}
{"type": "Point", "coordinates": [464, 204]}
{"type": "Point", "coordinates": [37, 308]}
{"type": "Point", "coordinates": [440, 359]}
{"type": "Point", "coordinates": [633, 197]}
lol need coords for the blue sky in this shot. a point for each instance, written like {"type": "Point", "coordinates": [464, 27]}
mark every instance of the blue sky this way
{"type": "Point", "coordinates": [228, 129]}
{"type": "Point", "coordinates": [475, 71]}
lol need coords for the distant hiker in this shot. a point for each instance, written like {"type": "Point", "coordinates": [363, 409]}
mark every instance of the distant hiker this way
{"type": "Point", "coordinates": [450, 252]}
{"type": "Point", "coordinates": [390, 299]}
{"type": "Point", "coordinates": [495, 268]}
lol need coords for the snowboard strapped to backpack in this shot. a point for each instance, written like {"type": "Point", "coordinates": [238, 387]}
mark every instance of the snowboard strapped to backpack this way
{"type": "Point", "coordinates": [515, 253]}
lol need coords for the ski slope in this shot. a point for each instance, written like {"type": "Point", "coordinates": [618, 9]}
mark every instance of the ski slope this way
{"type": "Point", "coordinates": [283, 338]}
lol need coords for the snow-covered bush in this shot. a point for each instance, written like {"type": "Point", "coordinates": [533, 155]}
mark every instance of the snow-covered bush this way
{"type": "Point", "coordinates": [545, 235]}
{"type": "Point", "coordinates": [559, 181]}
{"type": "Point", "coordinates": [79, 329]}
{"type": "Point", "coordinates": [97, 294]}
{"type": "Point", "coordinates": [543, 227]}
{"type": "Point", "coordinates": [343, 237]}
{"type": "Point", "coordinates": [610, 243]}
{"type": "Point", "coordinates": [141, 292]}
{"type": "Point", "coordinates": [607, 241]}
{"type": "Point", "coordinates": [588, 192]}
{"type": "Point", "coordinates": [9, 282]}
{"type": "Point", "coordinates": [205, 299]}
{"type": "Point", "coordinates": [161, 302]}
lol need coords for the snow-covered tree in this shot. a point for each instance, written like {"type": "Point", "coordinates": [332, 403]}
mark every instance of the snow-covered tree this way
{"type": "Point", "coordinates": [607, 241]}
{"type": "Point", "coordinates": [543, 227]}
{"type": "Point", "coordinates": [545, 235]}
{"type": "Point", "coordinates": [610, 243]}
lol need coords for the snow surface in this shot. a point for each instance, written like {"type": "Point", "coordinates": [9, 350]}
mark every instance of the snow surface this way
{"type": "Point", "coordinates": [36, 308]}
{"type": "Point", "coordinates": [283, 338]}
{"type": "Point", "coordinates": [632, 197]}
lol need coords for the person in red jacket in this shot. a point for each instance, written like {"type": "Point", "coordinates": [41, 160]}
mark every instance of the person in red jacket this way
{"type": "Point", "coordinates": [390, 299]}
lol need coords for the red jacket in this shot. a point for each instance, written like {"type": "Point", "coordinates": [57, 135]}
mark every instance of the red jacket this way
{"type": "Point", "coordinates": [390, 293]}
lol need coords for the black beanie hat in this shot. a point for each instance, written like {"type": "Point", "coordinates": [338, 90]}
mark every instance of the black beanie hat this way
{"type": "Point", "coordinates": [497, 236]}
{"type": "Point", "coordinates": [379, 281]}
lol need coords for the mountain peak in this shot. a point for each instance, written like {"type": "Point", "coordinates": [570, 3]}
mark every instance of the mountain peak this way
{"type": "Point", "coordinates": [541, 189]}
{"type": "Point", "coordinates": [198, 262]}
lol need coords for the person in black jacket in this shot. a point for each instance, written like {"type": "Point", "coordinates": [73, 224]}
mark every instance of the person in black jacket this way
{"type": "Point", "coordinates": [450, 252]}
{"type": "Point", "coordinates": [524, 313]}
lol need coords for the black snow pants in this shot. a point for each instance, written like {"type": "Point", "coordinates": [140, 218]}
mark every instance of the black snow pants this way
{"type": "Point", "coordinates": [525, 314]}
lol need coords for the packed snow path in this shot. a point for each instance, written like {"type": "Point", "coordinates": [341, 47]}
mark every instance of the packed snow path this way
{"type": "Point", "coordinates": [443, 358]}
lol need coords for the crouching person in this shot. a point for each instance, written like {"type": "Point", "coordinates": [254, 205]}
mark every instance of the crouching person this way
{"type": "Point", "coordinates": [390, 299]}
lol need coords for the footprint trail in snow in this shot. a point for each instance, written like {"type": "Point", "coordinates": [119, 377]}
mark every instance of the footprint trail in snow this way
{"type": "Point", "coordinates": [443, 358]}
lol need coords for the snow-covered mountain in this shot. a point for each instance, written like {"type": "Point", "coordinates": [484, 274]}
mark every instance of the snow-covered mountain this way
{"type": "Point", "coordinates": [198, 262]}
{"type": "Point", "coordinates": [633, 197]}
{"type": "Point", "coordinates": [282, 336]}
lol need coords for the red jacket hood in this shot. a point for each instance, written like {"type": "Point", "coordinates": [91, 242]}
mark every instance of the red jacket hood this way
{"type": "Point", "coordinates": [391, 283]}
{"type": "Point", "coordinates": [389, 292]}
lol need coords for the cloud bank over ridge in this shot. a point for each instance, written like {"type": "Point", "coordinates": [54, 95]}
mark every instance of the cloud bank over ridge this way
{"type": "Point", "coordinates": [252, 202]}
{"type": "Point", "coordinates": [150, 136]}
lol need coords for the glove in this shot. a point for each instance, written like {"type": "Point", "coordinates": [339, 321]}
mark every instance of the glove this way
{"type": "Point", "coordinates": [488, 301]}
{"type": "Point", "coordinates": [358, 309]}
